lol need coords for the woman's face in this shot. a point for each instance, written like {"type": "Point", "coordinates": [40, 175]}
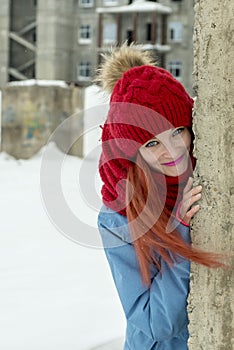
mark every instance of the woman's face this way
{"type": "Point", "coordinates": [168, 152]}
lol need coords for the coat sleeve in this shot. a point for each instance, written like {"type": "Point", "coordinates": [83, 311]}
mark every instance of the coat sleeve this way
{"type": "Point", "coordinates": [161, 310]}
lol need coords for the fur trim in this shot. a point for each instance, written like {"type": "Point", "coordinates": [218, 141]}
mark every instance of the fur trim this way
{"type": "Point", "coordinates": [118, 61]}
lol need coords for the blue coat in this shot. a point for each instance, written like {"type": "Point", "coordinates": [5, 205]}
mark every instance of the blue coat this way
{"type": "Point", "coordinates": [156, 316]}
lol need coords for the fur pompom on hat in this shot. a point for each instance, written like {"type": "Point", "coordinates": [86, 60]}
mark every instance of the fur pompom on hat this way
{"type": "Point", "coordinates": [145, 101]}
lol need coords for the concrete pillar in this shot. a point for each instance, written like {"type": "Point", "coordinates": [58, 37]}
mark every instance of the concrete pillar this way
{"type": "Point", "coordinates": [153, 28]}
{"type": "Point", "coordinates": [4, 40]}
{"type": "Point", "coordinates": [100, 29]}
{"type": "Point", "coordinates": [55, 35]}
{"type": "Point", "coordinates": [211, 302]}
{"type": "Point", "coordinates": [134, 26]}
{"type": "Point", "coordinates": [119, 23]}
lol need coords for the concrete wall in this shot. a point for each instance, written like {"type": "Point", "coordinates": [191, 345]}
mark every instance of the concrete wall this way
{"type": "Point", "coordinates": [211, 302]}
{"type": "Point", "coordinates": [31, 113]}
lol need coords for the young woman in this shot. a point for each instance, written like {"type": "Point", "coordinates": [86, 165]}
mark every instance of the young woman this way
{"type": "Point", "coordinates": [148, 196]}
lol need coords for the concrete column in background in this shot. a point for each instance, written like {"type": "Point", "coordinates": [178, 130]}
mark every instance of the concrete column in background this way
{"type": "Point", "coordinates": [211, 301]}
{"type": "Point", "coordinates": [4, 40]}
{"type": "Point", "coordinates": [55, 32]}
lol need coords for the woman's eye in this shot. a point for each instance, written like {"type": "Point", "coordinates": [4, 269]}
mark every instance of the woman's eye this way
{"type": "Point", "coordinates": [178, 131]}
{"type": "Point", "coordinates": [152, 143]}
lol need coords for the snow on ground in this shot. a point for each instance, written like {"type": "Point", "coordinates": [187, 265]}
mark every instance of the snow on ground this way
{"type": "Point", "coordinates": [32, 82]}
{"type": "Point", "coordinates": [54, 294]}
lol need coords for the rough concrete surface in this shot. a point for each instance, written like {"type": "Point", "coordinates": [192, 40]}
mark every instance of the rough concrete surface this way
{"type": "Point", "coordinates": [211, 301]}
{"type": "Point", "coordinates": [30, 114]}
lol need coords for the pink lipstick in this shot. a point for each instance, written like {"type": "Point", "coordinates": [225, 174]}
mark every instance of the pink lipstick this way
{"type": "Point", "coordinates": [177, 161]}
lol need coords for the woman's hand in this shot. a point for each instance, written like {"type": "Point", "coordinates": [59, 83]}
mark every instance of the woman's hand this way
{"type": "Point", "coordinates": [190, 196]}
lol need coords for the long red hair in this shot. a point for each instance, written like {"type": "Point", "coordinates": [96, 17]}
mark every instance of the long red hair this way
{"type": "Point", "coordinates": [151, 228]}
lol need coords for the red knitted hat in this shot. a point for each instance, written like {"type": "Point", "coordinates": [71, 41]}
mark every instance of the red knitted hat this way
{"type": "Point", "coordinates": [145, 101]}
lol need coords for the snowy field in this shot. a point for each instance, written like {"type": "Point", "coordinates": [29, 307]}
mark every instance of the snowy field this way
{"type": "Point", "coordinates": [55, 294]}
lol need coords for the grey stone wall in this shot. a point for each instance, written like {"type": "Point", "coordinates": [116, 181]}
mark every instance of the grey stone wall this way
{"type": "Point", "coordinates": [211, 302]}
{"type": "Point", "coordinates": [31, 113]}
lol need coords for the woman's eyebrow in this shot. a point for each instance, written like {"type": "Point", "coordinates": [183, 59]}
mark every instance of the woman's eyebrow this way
{"type": "Point", "coordinates": [153, 139]}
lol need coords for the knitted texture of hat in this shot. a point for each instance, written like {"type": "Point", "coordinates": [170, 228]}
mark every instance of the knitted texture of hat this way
{"type": "Point", "coordinates": [145, 101]}
{"type": "Point", "coordinates": [154, 88]}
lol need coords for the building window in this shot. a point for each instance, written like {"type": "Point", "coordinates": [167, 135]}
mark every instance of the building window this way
{"type": "Point", "coordinates": [86, 3]}
{"type": "Point", "coordinates": [176, 29]}
{"type": "Point", "coordinates": [84, 71]}
{"type": "Point", "coordinates": [148, 31]}
{"type": "Point", "coordinates": [110, 2]}
{"type": "Point", "coordinates": [129, 36]}
{"type": "Point", "coordinates": [110, 33]}
{"type": "Point", "coordinates": [85, 34]}
{"type": "Point", "coordinates": [175, 68]}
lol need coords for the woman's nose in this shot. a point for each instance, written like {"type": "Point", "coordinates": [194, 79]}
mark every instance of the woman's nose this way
{"type": "Point", "coordinates": [169, 149]}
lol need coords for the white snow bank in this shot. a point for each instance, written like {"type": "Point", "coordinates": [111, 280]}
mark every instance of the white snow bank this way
{"type": "Point", "coordinates": [54, 294]}
{"type": "Point", "coordinates": [32, 82]}
{"type": "Point", "coordinates": [137, 6]}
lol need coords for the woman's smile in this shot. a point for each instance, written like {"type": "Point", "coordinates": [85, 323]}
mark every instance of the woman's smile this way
{"type": "Point", "coordinates": [173, 163]}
